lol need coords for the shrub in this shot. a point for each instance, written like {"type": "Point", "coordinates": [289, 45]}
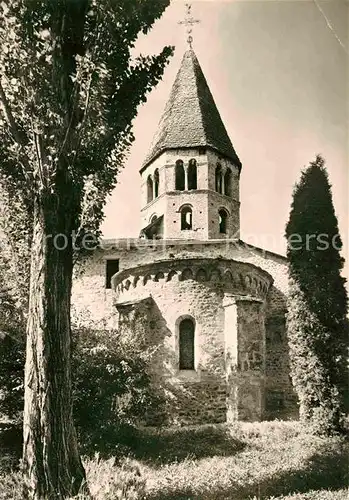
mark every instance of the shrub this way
{"type": "Point", "coordinates": [111, 386]}
{"type": "Point", "coordinates": [111, 389]}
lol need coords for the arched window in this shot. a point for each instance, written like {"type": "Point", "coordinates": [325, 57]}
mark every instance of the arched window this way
{"type": "Point", "coordinates": [186, 344]}
{"type": "Point", "coordinates": [153, 218]}
{"type": "Point", "coordinates": [219, 179]}
{"type": "Point", "coordinates": [192, 175]}
{"type": "Point", "coordinates": [180, 182]}
{"type": "Point", "coordinates": [156, 183]}
{"type": "Point", "coordinates": [223, 220]}
{"type": "Point", "coordinates": [186, 218]}
{"type": "Point", "coordinates": [227, 182]}
{"type": "Point", "coordinates": [149, 189]}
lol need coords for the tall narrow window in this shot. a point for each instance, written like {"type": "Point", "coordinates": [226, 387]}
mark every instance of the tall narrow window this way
{"type": "Point", "coordinates": [192, 175]}
{"type": "Point", "coordinates": [111, 268]}
{"type": "Point", "coordinates": [156, 183]}
{"type": "Point", "coordinates": [219, 179]}
{"type": "Point", "coordinates": [223, 219]}
{"type": "Point", "coordinates": [180, 182]}
{"type": "Point", "coordinates": [227, 182]}
{"type": "Point", "coordinates": [186, 344]}
{"type": "Point", "coordinates": [149, 189]}
{"type": "Point", "coordinates": [186, 218]}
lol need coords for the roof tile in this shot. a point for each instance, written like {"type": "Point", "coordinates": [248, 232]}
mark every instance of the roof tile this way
{"type": "Point", "coordinates": [191, 117]}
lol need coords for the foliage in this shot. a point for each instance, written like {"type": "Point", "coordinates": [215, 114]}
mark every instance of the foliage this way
{"type": "Point", "coordinates": [12, 335]}
{"type": "Point", "coordinates": [114, 481]}
{"type": "Point", "coordinates": [70, 88]}
{"type": "Point", "coordinates": [111, 389]}
{"type": "Point", "coordinates": [276, 459]}
{"type": "Point", "coordinates": [317, 306]}
{"type": "Point", "coordinates": [111, 386]}
{"type": "Point", "coordinates": [341, 494]}
{"type": "Point", "coordinates": [321, 404]}
{"type": "Point", "coordinates": [268, 460]}
{"type": "Point", "coordinates": [69, 91]}
{"type": "Point", "coordinates": [11, 378]}
{"type": "Point", "coordinates": [108, 480]}
{"type": "Point", "coordinates": [160, 446]}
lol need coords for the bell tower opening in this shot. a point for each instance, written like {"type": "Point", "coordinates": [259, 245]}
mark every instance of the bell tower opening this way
{"type": "Point", "coordinates": [227, 182]}
{"type": "Point", "coordinates": [223, 220]}
{"type": "Point", "coordinates": [156, 183]}
{"type": "Point", "coordinates": [180, 176]}
{"type": "Point", "coordinates": [192, 175]}
{"type": "Point", "coordinates": [149, 189]}
{"type": "Point", "coordinates": [219, 179]}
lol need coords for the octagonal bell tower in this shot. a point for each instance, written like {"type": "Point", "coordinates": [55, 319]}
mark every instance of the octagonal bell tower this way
{"type": "Point", "coordinates": [190, 178]}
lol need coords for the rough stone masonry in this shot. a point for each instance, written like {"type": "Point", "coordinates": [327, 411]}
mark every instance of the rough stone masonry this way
{"type": "Point", "coordinates": [212, 305]}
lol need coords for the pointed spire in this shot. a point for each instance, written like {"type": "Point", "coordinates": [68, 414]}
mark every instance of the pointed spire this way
{"type": "Point", "coordinates": [191, 118]}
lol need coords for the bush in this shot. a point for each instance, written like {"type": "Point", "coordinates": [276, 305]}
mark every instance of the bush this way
{"type": "Point", "coordinates": [111, 389]}
{"type": "Point", "coordinates": [111, 386]}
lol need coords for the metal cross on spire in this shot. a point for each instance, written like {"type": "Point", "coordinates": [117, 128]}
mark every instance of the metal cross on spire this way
{"type": "Point", "coordinates": [189, 22]}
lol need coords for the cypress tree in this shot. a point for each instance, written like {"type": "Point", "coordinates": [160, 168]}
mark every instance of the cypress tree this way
{"type": "Point", "coordinates": [317, 303]}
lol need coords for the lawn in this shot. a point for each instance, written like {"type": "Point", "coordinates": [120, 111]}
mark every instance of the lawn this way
{"type": "Point", "coordinates": [268, 460]}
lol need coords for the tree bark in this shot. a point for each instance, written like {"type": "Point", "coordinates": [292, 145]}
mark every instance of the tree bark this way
{"type": "Point", "coordinates": [52, 465]}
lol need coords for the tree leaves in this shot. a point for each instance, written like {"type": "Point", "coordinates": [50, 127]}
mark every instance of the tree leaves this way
{"type": "Point", "coordinates": [72, 89]}
{"type": "Point", "coordinates": [317, 303]}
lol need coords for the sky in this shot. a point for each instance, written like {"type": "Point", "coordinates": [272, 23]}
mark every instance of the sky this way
{"type": "Point", "coordinates": [279, 73]}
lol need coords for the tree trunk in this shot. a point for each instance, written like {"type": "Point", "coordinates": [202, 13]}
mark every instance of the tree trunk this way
{"type": "Point", "coordinates": [52, 465]}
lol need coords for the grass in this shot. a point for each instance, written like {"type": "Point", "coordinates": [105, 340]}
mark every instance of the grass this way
{"type": "Point", "coordinates": [268, 460]}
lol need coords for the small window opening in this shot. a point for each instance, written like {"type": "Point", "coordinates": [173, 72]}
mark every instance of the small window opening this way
{"type": "Point", "coordinates": [227, 182]}
{"type": "Point", "coordinates": [156, 183]}
{"type": "Point", "coordinates": [186, 218]}
{"type": "Point", "coordinates": [111, 268]}
{"type": "Point", "coordinates": [219, 179]}
{"type": "Point", "coordinates": [192, 175]}
{"type": "Point", "coordinates": [223, 216]}
{"type": "Point", "coordinates": [180, 176]}
{"type": "Point", "coordinates": [186, 344]}
{"type": "Point", "coordinates": [149, 189]}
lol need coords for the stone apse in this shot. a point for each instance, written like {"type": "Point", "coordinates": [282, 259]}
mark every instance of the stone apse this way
{"type": "Point", "coordinates": [225, 302]}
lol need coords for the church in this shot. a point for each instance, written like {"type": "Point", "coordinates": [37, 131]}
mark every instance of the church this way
{"type": "Point", "coordinates": [212, 306]}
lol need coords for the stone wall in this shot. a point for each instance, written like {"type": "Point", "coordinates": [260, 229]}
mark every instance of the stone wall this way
{"type": "Point", "coordinates": [245, 357]}
{"type": "Point", "coordinates": [89, 292]}
{"type": "Point", "coordinates": [280, 399]}
{"type": "Point", "coordinates": [196, 288]}
{"type": "Point", "coordinates": [203, 302]}
{"type": "Point", "coordinates": [204, 200]}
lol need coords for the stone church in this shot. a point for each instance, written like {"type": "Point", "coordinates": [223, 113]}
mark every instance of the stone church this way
{"type": "Point", "coordinates": [213, 305]}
